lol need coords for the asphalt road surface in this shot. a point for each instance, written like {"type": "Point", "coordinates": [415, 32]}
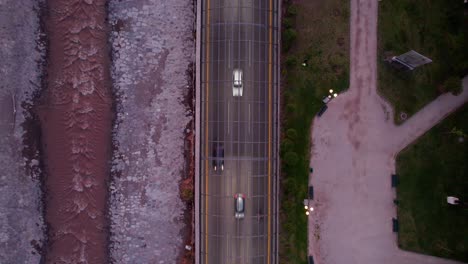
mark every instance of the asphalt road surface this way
{"type": "Point", "coordinates": [237, 34]}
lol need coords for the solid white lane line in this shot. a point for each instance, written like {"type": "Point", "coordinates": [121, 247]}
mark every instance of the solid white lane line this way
{"type": "Point", "coordinates": [249, 118]}
{"type": "Point", "coordinates": [227, 248]}
{"type": "Point", "coordinates": [228, 118]}
{"type": "Point", "coordinates": [250, 53]}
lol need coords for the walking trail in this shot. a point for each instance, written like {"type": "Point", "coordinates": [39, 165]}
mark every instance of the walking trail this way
{"type": "Point", "coordinates": [354, 147]}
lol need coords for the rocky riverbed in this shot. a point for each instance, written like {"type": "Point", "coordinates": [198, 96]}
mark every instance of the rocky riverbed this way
{"type": "Point", "coordinates": [153, 45]}
{"type": "Point", "coordinates": [56, 131]}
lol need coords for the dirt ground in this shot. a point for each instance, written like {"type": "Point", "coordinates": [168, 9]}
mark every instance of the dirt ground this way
{"type": "Point", "coordinates": [21, 55]}
{"type": "Point", "coordinates": [153, 45]}
{"type": "Point", "coordinates": [354, 147]}
{"type": "Point", "coordinates": [153, 50]}
{"type": "Point", "coordinates": [75, 113]}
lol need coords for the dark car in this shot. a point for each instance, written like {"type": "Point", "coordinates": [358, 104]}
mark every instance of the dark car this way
{"type": "Point", "coordinates": [218, 157]}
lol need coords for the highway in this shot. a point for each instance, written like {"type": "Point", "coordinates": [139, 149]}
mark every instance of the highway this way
{"type": "Point", "coordinates": [239, 34]}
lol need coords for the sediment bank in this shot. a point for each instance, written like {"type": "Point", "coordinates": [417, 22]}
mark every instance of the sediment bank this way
{"type": "Point", "coordinates": [152, 48]}
{"type": "Point", "coordinates": [76, 118]}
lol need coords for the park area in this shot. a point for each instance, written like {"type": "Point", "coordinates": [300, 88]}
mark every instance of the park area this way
{"type": "Point", "coordinates": [431, 169]}
{"type": "Point", "coordinates": [434, 166]}
{"type": "Point", "coordinates": [436, 29]}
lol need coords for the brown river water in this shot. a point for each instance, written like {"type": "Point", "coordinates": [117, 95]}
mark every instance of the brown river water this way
{"type": "Point", "coordinates": [76, 116]}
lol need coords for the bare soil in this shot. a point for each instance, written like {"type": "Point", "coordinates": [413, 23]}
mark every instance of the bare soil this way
{"type": "Point", "coordinates": [76, 117]}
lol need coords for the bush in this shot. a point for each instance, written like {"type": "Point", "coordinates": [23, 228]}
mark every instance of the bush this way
{"type": "Point", "coordinates": [287, 23]}
{"type": "Point", "coordinates": [291, 158]}
{"type": "Point", "coordinates": [290, 61]}
{"type": "Point", "coordinates": [286, 145]}
{"type": "Point", "coordinates": [187, 195]}
{"type": "Point", "coordinates": [291, 108]}
{"type": "Point", "coordinates": [289, 36]}
{"type": "Point", "coordinates": [291, 133]}
{"type": "Point", "coordinates": [292, 11]}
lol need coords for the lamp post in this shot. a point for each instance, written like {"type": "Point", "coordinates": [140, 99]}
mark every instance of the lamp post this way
{"type": "Point", "coordinates": [307, 207]}
{"type": "Point", "coordinates": [328, 98]}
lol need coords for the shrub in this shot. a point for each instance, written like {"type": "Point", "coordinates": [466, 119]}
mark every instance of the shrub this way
{"type": "Point", "coordinates": [290, 61]}
{"type": "Point", "coordinates": [286, 145]}
{"type": "Point", "coordinates": [287, 23]}
{"type": "Point", "coordinates": [291, 133]}
{"type": "Point", "coordinates": [291, 158]}
{"type": "Point", "coordinates": [292, 11]}
{"type": "Point", "coordinates": [187, 195]}
{"type": "Point", "coordinates": [289, 36]}
{"type": "Point", "coordinates": [291, 108]}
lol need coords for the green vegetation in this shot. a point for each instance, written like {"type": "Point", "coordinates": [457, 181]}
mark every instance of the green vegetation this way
{"type": "Point", "coordinates": [187, 195]}
{"type": "Point", "coordinates": [436, 29]}
{"type": "Point", "coordinates": [315, 33]}
{"type": "Point", "coordinates": [430, 170]}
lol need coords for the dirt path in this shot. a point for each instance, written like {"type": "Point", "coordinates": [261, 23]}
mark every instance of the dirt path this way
{"type": "Point", "coordinates": [76, 121]}
{"type": "Point", "coordinates": [355, 143]}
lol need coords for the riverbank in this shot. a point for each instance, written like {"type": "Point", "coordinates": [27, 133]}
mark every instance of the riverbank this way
{"type": "Point", "coordinates": [152, 48]}
{"type": "Point", "coordinates": [22, 51]}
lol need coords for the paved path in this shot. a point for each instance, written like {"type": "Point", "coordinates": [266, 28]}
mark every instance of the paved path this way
{"type": "Point", "coordinates": [355, 143]}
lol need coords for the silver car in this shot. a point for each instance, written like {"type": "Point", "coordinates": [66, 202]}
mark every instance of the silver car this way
{"type": "Point", "coordinates": [237, 86]}
{"type": "Point", "coordinates": [239, 205]}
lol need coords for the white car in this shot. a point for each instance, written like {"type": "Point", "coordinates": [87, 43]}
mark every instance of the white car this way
{"type": "Point", "coordinates": [239, 206]}
{"type": "Point", "coordinates": [237, 86]}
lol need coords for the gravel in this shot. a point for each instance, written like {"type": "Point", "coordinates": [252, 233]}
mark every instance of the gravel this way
{"type": "Point", "coordinates": [152, 48]}
{"type": "Point", "coordinates": [21, 223]}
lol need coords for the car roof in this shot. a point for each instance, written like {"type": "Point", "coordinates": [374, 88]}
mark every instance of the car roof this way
{"type": "Point", "coordinates": [240, 203]}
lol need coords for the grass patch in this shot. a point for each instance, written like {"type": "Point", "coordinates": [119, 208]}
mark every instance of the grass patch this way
{"type": "Point", "coordinates": [431, 169]}
{"type": "Point", "coordinates": [436, 29]}
{"type": "Point", "coordinates": [317, 33]}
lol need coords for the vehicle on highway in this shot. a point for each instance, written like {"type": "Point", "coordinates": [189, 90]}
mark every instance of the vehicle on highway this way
{"type": "Point", "coordinates": [239, 205]}
{"type": "Point", "coordinates": [218, 157]}
{"type": "Point", "coordinates": [237, 86]}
